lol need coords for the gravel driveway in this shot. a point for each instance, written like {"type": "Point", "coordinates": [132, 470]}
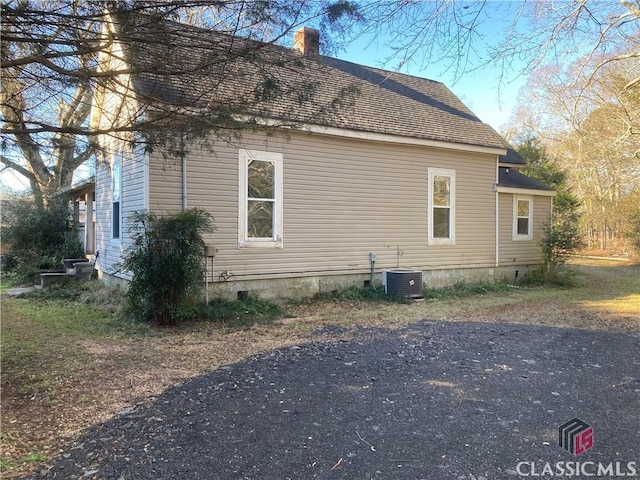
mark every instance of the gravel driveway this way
{"type": "Point", "coordinates": [428, 401]}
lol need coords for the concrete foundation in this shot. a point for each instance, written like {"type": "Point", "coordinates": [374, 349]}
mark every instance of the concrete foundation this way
{"type": "Point", "coordinates": [513, 273]}
{"type": "Point", "coordinates": [304, 287]}
{"type": "Point", "coordinates": [445, 278]}
{"type": "Point", "coordinates": [113, 281]}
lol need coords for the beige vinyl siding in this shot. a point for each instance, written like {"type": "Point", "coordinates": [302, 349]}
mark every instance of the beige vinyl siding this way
{"type": "Point", "coordinates": [521, 252]}
{"type": "Point", "coordinates": [165, 185]}
{"type": "Point", "coordinates": [343, 198]}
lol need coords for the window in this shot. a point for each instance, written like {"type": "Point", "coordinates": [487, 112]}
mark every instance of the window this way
{"type": "Point", "coordinates": [260, 199]}
{"type": "Point", "coordinates": [522, 218]}
{"type": "Point", "coordinates": [441, 204]}
{"type": "Point", "coordinates": [116, 202]}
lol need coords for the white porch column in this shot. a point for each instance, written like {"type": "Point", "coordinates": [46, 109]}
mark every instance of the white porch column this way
{"type": "Point", "coordinates": [89, 227]}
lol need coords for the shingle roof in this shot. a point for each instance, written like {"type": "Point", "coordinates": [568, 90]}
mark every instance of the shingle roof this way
{"type": "Point", "coordinates": [512, 157]}
{"type": "Point", "coordinates": [508, 177]}
{"type": "Point", "coordinates": [230, 75]}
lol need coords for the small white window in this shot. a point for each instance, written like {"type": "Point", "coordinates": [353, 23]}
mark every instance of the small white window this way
{"type": "Point", "coordinates": [116, 196]}
{"type": "Point", "coordinates": [260, 199]}
{"type": "Point", "coordinates": [442, 206]}
{"type": "Point", "coordinates": [522, 218]}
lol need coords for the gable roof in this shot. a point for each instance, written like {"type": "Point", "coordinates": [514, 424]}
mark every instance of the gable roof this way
{"type": "Point", "coordinates": [188, 66]}
{"type": "Point", "coordinates": [399, 104]}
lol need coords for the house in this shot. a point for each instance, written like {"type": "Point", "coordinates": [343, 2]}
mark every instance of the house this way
{"type": "Point", "coordinates": [400, 174]}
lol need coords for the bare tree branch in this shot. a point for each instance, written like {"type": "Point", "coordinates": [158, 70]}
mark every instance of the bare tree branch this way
{"type": "Point", "coordinates": [17, 167]}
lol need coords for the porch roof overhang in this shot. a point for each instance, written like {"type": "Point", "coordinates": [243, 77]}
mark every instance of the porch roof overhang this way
{"type": "Point", "coordinates": [84, 187]}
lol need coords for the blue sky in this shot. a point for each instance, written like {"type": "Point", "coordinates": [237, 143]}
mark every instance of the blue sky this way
{"type": "Point", "coordinates": [481, 90]}
{"type": "Point", "coordinates": [490, 91]}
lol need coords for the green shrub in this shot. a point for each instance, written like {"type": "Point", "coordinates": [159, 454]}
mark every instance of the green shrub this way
{"type": "Point", "coordinates": [232, 313]}
{"type": "Point", "coordinates": [559, 277]}
{"type": "Point", "coordinates": [560, 240]}
{"type": "Point", "coordinates": [166, 261]}
{"type": "Point", "coordinates": [633, 232]}
{"type": "Point", "coordinates": [38, 238]}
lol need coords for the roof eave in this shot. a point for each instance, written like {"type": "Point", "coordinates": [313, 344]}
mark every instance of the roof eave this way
{"type": "Point", "coordinates": [380, 137]}
{"type": "Point", "coordinates": [85, 186]}
{"type": "Point", "coordinates": [387, 138]}
{"type": "Point", "coordinates": [527, 191]}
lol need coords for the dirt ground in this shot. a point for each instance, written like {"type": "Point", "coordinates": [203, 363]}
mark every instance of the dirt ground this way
{"type": "Point", "coordinates": [80, 382]}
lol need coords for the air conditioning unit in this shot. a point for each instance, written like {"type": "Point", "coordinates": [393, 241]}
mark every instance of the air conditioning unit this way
{"type": "Point", "coordinates": [403, 283]}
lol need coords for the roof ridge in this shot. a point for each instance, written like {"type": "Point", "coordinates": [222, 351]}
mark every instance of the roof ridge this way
{"type": "Point", "coordinates": [378, 69]}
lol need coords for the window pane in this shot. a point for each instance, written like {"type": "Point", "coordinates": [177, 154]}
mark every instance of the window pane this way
{"type": "Point", "coordinates": [115, 221]}
{"type": "Point", "coordinates": [115, 180]}
{"type": "Point", "coordinates": [260, 219]}
{"type": "Point", "coordinates": [441, 190]}
{"type": "Point", "coordinates": [260, 175]}
{"type": "Point", "coordinates": [441, 223]}
{"type": "Point", "coordinates": [523, 226]}
{"type": "Point", "coordinates": [523, 208]}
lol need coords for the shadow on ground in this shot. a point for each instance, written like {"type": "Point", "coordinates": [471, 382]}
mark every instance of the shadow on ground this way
{"type": "Point", "coordinates": [428, 401]}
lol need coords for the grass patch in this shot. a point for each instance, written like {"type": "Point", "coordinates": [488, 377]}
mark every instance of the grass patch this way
{"type": "Point", "coordinates": [355, 294]}
{"type": "Point", "coordinates": [234, 313]}
{"type": "Point", "coordinates": [6, 464]}
{"type": "Point", "coordinates": [466, 290]}
{"type": "Point", "coordinates": [8, 281]}
{"type": "Point", "coordinates": [369, 294]}
{"type": "Point", "coordinates": [94, 292]}
{"type": "Point", "coordinates": [72, 318]}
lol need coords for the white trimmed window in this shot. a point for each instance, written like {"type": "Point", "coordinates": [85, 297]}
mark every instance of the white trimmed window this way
{"type": "Point", "coordinates": [522, 218]}
{"type": "Point", "coordinates": [260, 199]}
{"type": "Point", "coordinates": [116, 196]}
{"type": "Point", "coordinates": [442, 206]}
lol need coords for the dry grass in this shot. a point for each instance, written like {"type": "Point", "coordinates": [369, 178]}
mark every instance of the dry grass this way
{"type": "Point", "coordinates": [63, 374]}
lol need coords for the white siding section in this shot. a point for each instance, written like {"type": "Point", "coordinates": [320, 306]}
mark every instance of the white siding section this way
{"type": "Point", "coordinates": [132, 199]}
{"type": "Point", "coordinates": [343, 198]}
{"type": "Point", "coordinates": [103, 212]}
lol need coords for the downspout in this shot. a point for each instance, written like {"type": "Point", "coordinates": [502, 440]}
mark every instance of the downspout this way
{"type": "Point", "coordinates": [495, 188]}
{"type": "Point", "coordinates": [184, 172]}
{"type": "Point", "coordinates": [184, 183]}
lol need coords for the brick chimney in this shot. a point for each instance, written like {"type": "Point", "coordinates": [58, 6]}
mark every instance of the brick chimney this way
{"type": "Point", "coordinates": [307, 41]}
